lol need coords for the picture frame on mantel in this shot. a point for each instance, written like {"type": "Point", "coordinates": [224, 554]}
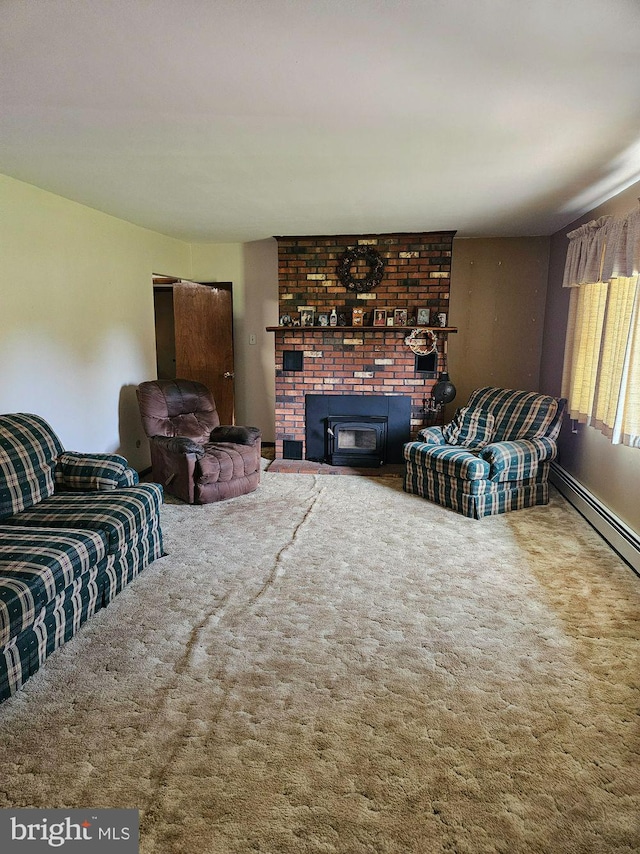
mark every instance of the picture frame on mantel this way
{"type": "Point", "coordinates": [424, 317]}
{"type": "Point", "coordinates": [379, 317]}
{"type": "Point", "coordinates": [400, 317]}
{"type": "Point", "coordinates": [307, 315]}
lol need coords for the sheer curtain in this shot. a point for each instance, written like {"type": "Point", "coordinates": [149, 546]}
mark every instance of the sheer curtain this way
{"type": "Point", "coordinates": [601, 377]}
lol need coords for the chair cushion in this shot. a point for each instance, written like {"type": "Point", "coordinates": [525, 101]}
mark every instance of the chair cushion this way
{"type": "Point", "coordinates": [28, 452]}
{"type": "Point", "coordinates": [122, 514]}
{"type": "Point", "coordinates": [518, 414]}
{"type": "Point", "coordinates": [470, 428]}
{"type": "Point", "coordinates": [447, 459]}
{"type": "Point", "coordinates": [226, 461]}
{"type": "Point", "coordinates": [92, 471]}
{"type": "Point", "coordinates": [38, 564]}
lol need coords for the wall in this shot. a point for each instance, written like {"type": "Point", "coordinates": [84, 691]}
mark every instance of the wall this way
{"type": "Point", "coordinates": [76, 316]}
{"type": "Point", "coordinates": [498, 290]}
{"type": "Point", "coordinates": [610, 472]}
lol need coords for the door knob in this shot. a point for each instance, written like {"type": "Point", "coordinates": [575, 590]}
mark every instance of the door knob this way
{"type": "Point", "coordinates": [228, 375]}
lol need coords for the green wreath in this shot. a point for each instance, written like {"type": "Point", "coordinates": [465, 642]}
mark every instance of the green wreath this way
{"type": "Point", "coordinates": [373, 277]}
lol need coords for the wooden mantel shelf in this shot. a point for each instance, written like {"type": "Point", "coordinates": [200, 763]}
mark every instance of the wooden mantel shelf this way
{"type": "Point", "coordinates": [449, 329]}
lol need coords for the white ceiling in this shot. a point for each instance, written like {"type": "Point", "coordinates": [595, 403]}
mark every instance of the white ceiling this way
{"type": "Point", "coordinates": [234, 120]}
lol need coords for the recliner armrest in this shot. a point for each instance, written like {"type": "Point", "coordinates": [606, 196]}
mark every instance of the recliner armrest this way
{"type": "Point", "coordinates": [179, 445]}
{"type": "Point", "coordinates": [236, 435]}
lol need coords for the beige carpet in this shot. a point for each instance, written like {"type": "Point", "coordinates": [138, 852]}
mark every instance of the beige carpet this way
{"type": "Point", "coordinates": [330, 665]}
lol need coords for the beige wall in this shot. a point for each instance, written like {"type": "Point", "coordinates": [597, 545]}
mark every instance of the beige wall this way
{"type": "Point", "coordinates": [76, 317]}
{"type": "Point", "coordinates": [261, 280]}
{"type": "Point", "coordinates": [498, 288]}
{"type": "Point", "coordinates": [610, 472]}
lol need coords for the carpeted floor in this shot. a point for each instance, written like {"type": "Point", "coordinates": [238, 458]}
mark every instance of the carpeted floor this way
{"type": "Point", "coordinates": [330, 665]}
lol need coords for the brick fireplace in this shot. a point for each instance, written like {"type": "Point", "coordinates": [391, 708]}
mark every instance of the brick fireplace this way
{"type": "Point", "coordinates": [342, 360]}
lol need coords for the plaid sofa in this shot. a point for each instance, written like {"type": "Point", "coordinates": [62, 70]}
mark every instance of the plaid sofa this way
{"type": "Point", "coordinates": [75, 529]}
{"type": "Point", "coordinates": [493, 457]}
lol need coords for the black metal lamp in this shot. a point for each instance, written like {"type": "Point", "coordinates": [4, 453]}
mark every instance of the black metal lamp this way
{"type": "Point", "coordinates": [444, 390]}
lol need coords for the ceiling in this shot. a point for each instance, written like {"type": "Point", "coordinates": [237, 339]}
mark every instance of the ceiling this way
{"type": "Point", "coordinates": [235, 120]}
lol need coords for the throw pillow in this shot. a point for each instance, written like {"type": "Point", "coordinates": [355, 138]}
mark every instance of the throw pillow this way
{"type": "Point", "coordinates": [89, 471]}
{"type": "Point", "coordinates": [470, 428]}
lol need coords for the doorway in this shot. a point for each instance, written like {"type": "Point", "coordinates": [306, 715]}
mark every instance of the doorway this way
{"type": "Point", "coordinates": [194, 336]}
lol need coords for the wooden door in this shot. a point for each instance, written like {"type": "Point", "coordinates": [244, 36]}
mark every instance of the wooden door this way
{"type": "Point", "coordinates": [203, 321]}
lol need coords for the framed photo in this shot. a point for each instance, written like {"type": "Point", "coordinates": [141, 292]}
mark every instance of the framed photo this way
{"type": "Point", "coordinates": [379, 317]}
{"type": "Point", "coordinates": [323, 319]}
{"type": "Point", "coordinates": [424, 317]}
{"type": "Point", "coordinates": [307, 316]}
{"type": "Point", "coordinates": [357, 318]}
{"type": "Point", "coordinates": [400, 317]}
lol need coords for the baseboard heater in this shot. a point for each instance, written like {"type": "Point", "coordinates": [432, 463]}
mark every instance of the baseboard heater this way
{"type": "Point", "coordinates": [619, 536]}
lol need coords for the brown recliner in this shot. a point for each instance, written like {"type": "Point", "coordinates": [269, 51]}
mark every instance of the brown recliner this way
{"type": "Point", "coordinates": [192, 455]}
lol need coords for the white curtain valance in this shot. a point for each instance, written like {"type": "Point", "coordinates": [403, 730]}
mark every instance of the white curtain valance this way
{"type": "Point", "coordinates": [602, 249]}
{"type": "Point", "coordinates": [622, 259]}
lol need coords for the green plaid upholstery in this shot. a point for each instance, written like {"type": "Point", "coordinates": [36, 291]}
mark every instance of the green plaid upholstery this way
{"type": "Point", "coordinates": [518, 414]}
{"type": "Point", "coordinates": [37, 565]}
{"type": "Point", "coordinates": [510, 473]}
{"type": "Point", "coordinates": [470, 428]}
{"type": "Point", "coordinates": [130, 564]}
{"type": "Point", "coordinates": [28, 451]}
{"type": "Point", "coordinates": [431, 436]}
{"type": "Point", "coordinates": [57, 623]}
{"type": "Point", "coordinates": [76, 528]}
{"type": "Point", "coordinates": [121, 514]}
{"type": "Point", "coordinates": [447, 459]}
{"type": "Point", "coordinates": [93, 472]}
{"type": "Point", "coordinates": [518, 460]}
{"type": "Point", "coordinates": [479, 498]}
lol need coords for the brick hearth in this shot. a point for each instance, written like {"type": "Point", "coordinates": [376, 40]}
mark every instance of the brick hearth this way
{"type": "Point", "coordinates": [371, 360]}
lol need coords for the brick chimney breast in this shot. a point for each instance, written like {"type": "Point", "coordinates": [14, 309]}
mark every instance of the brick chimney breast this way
{"type": "Point", "coordinates": [373, 360]}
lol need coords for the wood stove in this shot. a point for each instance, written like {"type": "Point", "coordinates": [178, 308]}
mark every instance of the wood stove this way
{"type": "Point", "coordinates": [356, 429]}
{"type": "Point", "coordinates": [356, 441]}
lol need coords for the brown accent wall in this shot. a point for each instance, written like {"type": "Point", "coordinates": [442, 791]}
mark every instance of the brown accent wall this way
{"type": "Point", "coordinates": [498, 292]}
{"type": "Point", "coordinates": [370, 360]}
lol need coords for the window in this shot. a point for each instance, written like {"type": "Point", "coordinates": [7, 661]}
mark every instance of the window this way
{"type": "Point", "coordinates": [601, 377]}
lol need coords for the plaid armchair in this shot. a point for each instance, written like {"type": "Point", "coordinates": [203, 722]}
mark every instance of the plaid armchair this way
{"type": "Point", "coordinates": [493, 457]}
